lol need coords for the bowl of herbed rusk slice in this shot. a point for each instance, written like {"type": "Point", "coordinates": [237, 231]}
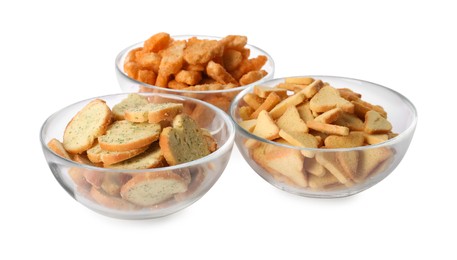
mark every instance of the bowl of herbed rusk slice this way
{"type": "Point", "coordinates": [322, 136]}
{"type": "Point", "coordinates": [137, 155]}
{"type": "Point", "coordinates": [210, 68]}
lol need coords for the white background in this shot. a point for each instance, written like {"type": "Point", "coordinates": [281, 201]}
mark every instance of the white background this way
{"type": "Point", "coordinates": [58, 52]}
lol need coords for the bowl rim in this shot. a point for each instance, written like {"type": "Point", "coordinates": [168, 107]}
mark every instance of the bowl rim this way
{"type": "Point", "coordinates": [120, 71]}
{"type": "Point", "coordinates": [226, 147]}
{"type": "Point", "coordinates": [402, 135]}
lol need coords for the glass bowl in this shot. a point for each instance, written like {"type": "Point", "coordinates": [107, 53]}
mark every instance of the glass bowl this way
{"type": "Point", "coordinates": [220, 98]}
{"type": "Point", "coordinates": [281, 164]}
{"type": "Point", "coordinates": [85, 183]}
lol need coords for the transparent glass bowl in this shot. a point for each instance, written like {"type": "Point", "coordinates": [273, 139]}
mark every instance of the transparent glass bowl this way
{"type": "Point", "coordinates": [401, 113]}
{"type": "Point", "coordinates": [204, 172]}
{"type": "Point", "coordinates": [129, 84]}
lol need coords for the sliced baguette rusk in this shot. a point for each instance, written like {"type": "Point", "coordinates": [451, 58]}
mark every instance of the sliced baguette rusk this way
{"type": "Point", "coordinates": [57, 147]}
{"type": "Point", "coordinates": [184, 141]}
{"type": "Point", "coordinates": [109, 201]}
{"type": "Point", "coordinates": [124, 136]}
{"type": "Point", "coordinates": [153, 112]}
{"type": "Point", "coordinates": [133, 100]}
{"type": "Point", "coordinates": [88, 124]}
{"type": "Point", "coordinates": [154, 187]}
{"type": "Point", "coordinates": [97, 155]}
{"type": "Point", "coordinates": [151, 158]}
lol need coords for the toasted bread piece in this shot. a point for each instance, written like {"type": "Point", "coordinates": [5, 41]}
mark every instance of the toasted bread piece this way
{"type": "Point", "coordinates": [109, 201]}
{"type": "Point", "coordinates": [349, 161]}
{"type": "Point", "coordinates": [249, 125]}
{"type": "Point", "coordinates": [245, 112]}
{"type": "Point", "coordinates": [253, 100]}
{"type": "Point", "coordinates": [300, 139]}
{"type": "Point", "coordinates": [376, 124]}
{"type": "Point", "coordinates": [88, 124]}
{"type": "Point", "coordinates": [311, 89]}
{"type": "Point", "coordinates": [328, 128]}
{"type": "Point", "coordinates": [266, 127]}
{"type": "Point", "coordinates": [322, 182]}
{"type": "Point", "coordinates": [290, 121]}
{"type": "Point", "coordinates": [252, 76]}
{"type": "Point", "coordinates": [329, 161]}
{"type": "Point", "coordinates": [348, 94]}
{"type": "Point", "coordinates": [305, 112]}
{"type": "Point", "coordinates": [280, 108]}
{"type": "Point", "coordinates": [353, 139]}
{"type": "Point", "coordinates": [313, 167]}
{"type": "Point", "coordinates": [184, 141]}
{"type": "Point", "coordinates": [288, 162]}
{"type": "Point", "coordinates": [97, 155]}
{"type": "Point", "coordinates": [152, 188]}
{"type": "Point", "coordinates": [153, 112]}
{"type": "Point", "coordinates": [328, 98]}
{"type": "Point", "coordinates": [218, 72]}
{"type": "Point", "coordinates": [270, 102]}
{"type": "Point", "coordinates": [369, 159]}
{"type": "Point", "coordinates": [124, 136]}
{"type": "Point", "coordinates": [197, 178]}
{"type": "Point", "coordinates": [57, 147]}
{"type": "Point", "coordinates": [350, 121]}
{"type": "Point", "coordinates": [133, 100]}
{"type": "Point", "coordinates": [112, 183]}
{"type": "Point", "coordinates": [329, 116]}
{"type": "Point", "coordinates": [263, 91]}
{"type": "Point", "coordinates": [210, 140]}
{"type": "Point", "coordinates": [299, 80]}
{"type": "Point", "coordinates": [376, 139]}
{"type": "Point", "coordinates": [151, 158]}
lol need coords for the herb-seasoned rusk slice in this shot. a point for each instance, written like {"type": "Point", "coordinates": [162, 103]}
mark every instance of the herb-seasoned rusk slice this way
{"type": "Point", "coordinates": [124, 136]}
{"type": "Point", "coordinates": [88, 124]}
{"type": "Point", "coordinates": [57, 147]}
{"type": "Point", "coordinates": [151, 158]}
{"type": "Point", "coordinates": [153, 112]}
{"type": "Point", "coordinates": [153, 187]}
{"type": "Point", "coordinates": [210, 140]}
{"type": "Point", "coordinates": [109, 201]}
{"type": "Point", "coordinates": [97, 155]}
{"type": "Point", "coordinates": [133, 100]}
{"type": "Point", "coordinates": [184, 141]}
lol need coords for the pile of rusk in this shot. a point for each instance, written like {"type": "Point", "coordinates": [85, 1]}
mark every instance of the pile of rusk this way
{"type": "Point", "coordinates": [305, 112]}
{"type": "Point", "coordinates": [195, 65]}
{"type": "Point", "coordinates": [135, 134]}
